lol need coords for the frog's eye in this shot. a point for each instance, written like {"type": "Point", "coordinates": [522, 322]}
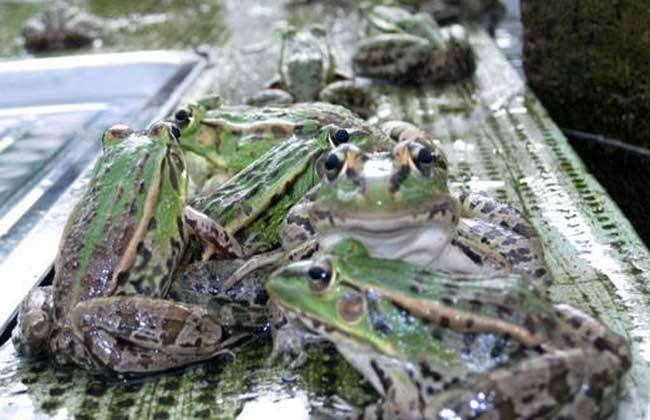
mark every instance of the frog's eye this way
{"type": "Point", "coordinates": [426, 159]}
{"type": "Point", "coordinates": [320, 277]}
{"type": "Point", "coordinates": [333, 164]}
{"type": "Point", "coordinates": [115, 134]}
{"type": "Point", "coordinates": [351, 307]}
{"type": "Point", "coordinates": [339, 136]}
{"type": "Point", "coordinates": [182, 117]}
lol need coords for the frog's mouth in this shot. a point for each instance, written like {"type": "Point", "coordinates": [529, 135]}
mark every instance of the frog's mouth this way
{"type": "Point", "coordinates": [419, 245]}
{"type": "Point", "coordinates": [416, 234]}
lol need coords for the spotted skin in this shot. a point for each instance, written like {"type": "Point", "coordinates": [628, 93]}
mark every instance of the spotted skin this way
{"type": "Point", "coordinates": [437, 345]}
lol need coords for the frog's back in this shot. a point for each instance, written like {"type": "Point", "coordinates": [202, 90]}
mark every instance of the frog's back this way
{"type": "Point", "coordinates": [103, 224]}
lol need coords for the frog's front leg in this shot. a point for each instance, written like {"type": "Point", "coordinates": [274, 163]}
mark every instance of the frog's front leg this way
{"type": "Point", "coordinates": [297, 237]}
{"type": "Point", "coordinates": [143, 334]}
{"type": "Point", "coordinates": [506, 230]}
{"type": "Point", "coordinates": [218, 240]}
{"type": "Point", "coordinates": [468, 256]}
{"type": "Point", "coordinates": [523, 255]}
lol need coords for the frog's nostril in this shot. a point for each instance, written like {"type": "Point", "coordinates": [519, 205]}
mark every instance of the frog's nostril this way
{"type": "Point", "coordinates": [182, 116]}
{"type": "Point", "coordinates": [341, 136]}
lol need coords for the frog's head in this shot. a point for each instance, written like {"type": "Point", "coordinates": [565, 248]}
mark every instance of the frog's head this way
{"type": "Point", "coordinates": [306, 62]}
{"type": "Point", "coordinates": [313, 292]}
{"type": "Point", "coordinates": [321, 293]}
{"type": "Point", "coordinates": [397, 204]}
{"type": "Point", "coordinates": [31, 335]}
{"type": "Point", "coordinates": [193, 136]}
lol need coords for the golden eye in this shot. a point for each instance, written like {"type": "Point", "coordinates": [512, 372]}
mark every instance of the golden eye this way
{"type": "Point", "coordinates": [351, 307]}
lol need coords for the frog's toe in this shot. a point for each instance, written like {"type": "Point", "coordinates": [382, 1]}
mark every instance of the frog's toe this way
{"type": "Point", "coordinates": [32, 332]}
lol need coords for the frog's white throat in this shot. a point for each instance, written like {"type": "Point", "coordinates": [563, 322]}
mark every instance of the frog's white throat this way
{"type": "Point", "coordinates": [421, 245]}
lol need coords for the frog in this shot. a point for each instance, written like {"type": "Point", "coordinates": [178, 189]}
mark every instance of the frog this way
{"type": "Point", "coordinates": [399, 205]}
{"type": "Point", "coordinates": [485, 12]}
{"type": "Point", "coordinates": [106, 308]}
{"type": "Point", "coordinates": [231, 137]}
{"type": "Point", "coordinates": [61, 26]}
{"type": "Point", "coordinates": [307, 72]}
{"type": "Point", "coordinates": [410, 48]}
{"type": "Point", "coordinates": [434, 344]}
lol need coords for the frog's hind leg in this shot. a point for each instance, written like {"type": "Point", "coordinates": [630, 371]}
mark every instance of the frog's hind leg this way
{"type": "Point", "coordinates": [596, 333]}
{"type": "Point", "coordinates": [574, 383]}
{"type": "Point", "coordinates": [524, 255]}
{"type": "Point", "coordinates": [140, 334]}
{"type": "Point", "coordinates": [479, 206]}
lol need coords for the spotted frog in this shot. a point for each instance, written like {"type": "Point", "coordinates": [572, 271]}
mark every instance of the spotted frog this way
{"type": "Point", "coordinates": [399, 206]}
{"type": "Point", "coordinates": [437, 345]}
{"type": "Point", "coordinates": [411, 48]}
{"type": "Point", "coordinates": [307, 72]}
{"type": "Point", "coordinates": [119, 251]}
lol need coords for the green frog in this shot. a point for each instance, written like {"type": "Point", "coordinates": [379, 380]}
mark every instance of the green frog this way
{"type": "Point", "coordinates": [411, 48]}
{"type": "Point", "coordinates": [437, 345]}
{"type": "Point", "coordinates": [307, 72]}
{"type": "Point", "coordinates": [232, 137]}
{"type": "Point", "coordinates": [399, 206]}
{"type": "Point", "coordinates": [119, 251]}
